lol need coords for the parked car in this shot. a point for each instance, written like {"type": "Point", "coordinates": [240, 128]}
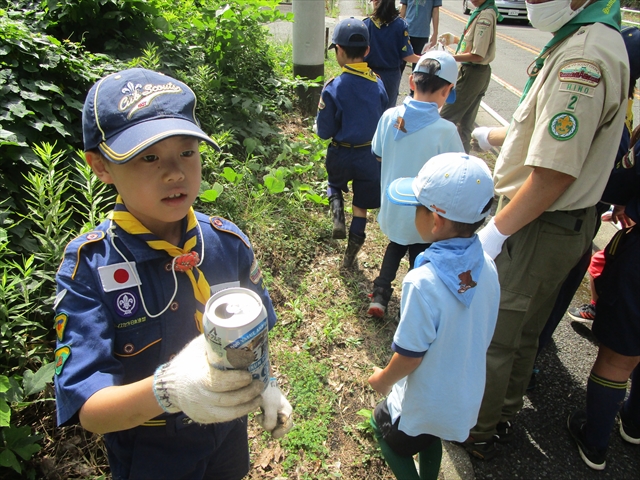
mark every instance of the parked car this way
{"type": "Point", "coordinates": [510, 9]}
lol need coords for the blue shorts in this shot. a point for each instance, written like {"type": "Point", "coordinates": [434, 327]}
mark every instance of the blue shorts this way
{"type": "Point", "coordinates": [617, 323]}
{"type": "Point", "coordinates": [180, 450]}
{"type": "Point", "coordinates": [359, 166]}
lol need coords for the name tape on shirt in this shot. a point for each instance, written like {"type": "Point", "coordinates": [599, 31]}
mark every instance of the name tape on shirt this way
{"type": "Point", "coordinates": [119, 276]}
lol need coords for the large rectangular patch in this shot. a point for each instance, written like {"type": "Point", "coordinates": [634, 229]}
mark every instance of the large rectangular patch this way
{"type": "Point", "coordinates": [119, 276]}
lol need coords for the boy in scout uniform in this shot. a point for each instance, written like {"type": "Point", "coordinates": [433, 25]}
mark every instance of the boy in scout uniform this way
{"type": "Point", "coordinates": [348, 112]}
{"type": "Point", "coordinates": [131, 358]}
{"type": "Point", "coordinates": [476, 49]}
{"type": "Point", "coordinates": [551, 172]}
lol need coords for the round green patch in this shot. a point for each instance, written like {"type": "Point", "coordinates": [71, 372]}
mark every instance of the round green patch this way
{"type": "Point", "coordinates": [563, 126]}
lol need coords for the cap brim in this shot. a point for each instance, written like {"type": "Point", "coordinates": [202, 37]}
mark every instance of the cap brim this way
{"type": "Point", "coordinates": [400, 192]}
{"type": "Point", "coordinates": [452, 96]}
{"type": "Point", "coordinates": [127, 144]}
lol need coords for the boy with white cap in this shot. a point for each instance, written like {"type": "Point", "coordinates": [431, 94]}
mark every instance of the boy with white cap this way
{"type": "Point", "coordinates": [435, 379]}
{"type": "Point", "coordinates": [407, 136]}
{"type": "Point", "coordinates": [131, 359]}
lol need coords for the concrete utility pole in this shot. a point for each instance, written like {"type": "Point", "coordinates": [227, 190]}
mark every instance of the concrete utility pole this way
{"type": "Point", "coordinates": [308, 48]}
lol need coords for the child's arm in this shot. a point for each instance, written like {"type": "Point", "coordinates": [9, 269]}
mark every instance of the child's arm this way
{"type": "Point", "coordinates": [120, 407]}
{"type": "Point", "coordinates": [185, 384]}
{"type": "Point", "coordinates": [435, 20]}
{"type": "Point", "coordinates": [399, 367]}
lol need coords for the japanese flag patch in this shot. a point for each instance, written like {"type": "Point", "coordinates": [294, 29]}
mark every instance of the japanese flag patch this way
{"type": "Point", "coordinates": [119, 276]}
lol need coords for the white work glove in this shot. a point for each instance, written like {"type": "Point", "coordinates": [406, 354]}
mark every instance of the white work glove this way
{"type": "Point", "coordinates": [205, 394]}
{"type": "Point", "coordinates": [491, 239]}
{"type": "Point", "coordinates": [447, 39]}
{"type": "Point", "coordinates": [276, 417]}
{"type": "Point", "coordinates": [481, 134]}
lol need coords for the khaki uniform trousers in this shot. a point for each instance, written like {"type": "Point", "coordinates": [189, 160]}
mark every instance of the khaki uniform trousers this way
{"type": "Point", "coordinates": [531, 268]}
{"type": "Point", "coordinates": [473, 81]}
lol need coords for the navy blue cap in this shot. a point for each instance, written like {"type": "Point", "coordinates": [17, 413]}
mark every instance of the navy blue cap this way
{"type": "Point", "coordinates": [128, 111]}
{"type": "Point", "coordinates": [346, 29]}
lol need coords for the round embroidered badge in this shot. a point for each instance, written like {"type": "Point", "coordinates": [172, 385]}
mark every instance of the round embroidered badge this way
{"type": "Point", "coordinates": [126, 304]}
{"type": "Point", "coordinates": [563, 126]}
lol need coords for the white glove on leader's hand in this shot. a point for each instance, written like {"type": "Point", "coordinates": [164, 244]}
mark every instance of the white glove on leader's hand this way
{"type": "Point", "coordinates": [491, 239]}
{"type": "Point", "coordinates": [207, 395]}
{"type": "Point", "coordinates": [276, 417]}
{"type": "Point", "coordinates": [447, 39]}
{"type": "Point", "coordinates": [481, 134]}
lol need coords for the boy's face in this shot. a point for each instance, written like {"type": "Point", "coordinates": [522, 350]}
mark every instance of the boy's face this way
{"type": "Point", "coordinates": [424, 223]}
{"type": "Point", "coordinates": [159, 185]}
{"type": "Point", "coordinates": [477, 3]}
{"type": "Point", "coordinates": [431, 226]}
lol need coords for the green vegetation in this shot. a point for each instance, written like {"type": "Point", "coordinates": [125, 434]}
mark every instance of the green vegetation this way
{"type": "Point", "coordinates": [269, 178]}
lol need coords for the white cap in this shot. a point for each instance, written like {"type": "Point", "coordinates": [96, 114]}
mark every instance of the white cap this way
{"type": "Point", "coordinates": [448, 68]}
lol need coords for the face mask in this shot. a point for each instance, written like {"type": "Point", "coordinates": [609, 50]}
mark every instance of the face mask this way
{"type": "Point", "coordinates": [551, 16]}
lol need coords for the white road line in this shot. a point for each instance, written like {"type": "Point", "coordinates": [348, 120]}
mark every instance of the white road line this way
{"type": "Point", "coordinates": [494, 114]}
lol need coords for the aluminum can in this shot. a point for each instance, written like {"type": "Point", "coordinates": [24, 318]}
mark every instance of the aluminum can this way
{"type": "Point", "coordinates": [235, 326]}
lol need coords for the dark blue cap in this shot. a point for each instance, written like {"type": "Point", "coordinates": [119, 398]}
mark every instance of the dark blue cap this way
{"type": "Point", "coordinates": [128, 111]}
{"type": "Point", "coordinates": [345, 30]}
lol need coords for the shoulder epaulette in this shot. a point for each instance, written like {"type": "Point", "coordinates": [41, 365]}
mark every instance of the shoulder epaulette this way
{"type": "Point", "coordinates": [223, 225]}
{"type": "Point", "coordinates": [71, 256]}
{"type": "Point", "coordinates": [329, 81]}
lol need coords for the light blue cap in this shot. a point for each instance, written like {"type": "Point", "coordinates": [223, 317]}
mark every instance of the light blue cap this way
{"type": "Point", "coordinates": [457, 186]}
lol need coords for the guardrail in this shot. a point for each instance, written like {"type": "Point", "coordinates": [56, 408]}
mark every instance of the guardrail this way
{"type": "Point", "coordinates": [628, 10]}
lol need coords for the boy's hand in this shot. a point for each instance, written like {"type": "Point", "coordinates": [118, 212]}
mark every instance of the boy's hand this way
{"type": "Point", "coordinates": [276, 417]}
{"type": "Point", "coordinates": [207, 395]}
{"type": "Point", "coordinates": [448, 39]}
{"type": "Point", "coordinates": [376, 382]}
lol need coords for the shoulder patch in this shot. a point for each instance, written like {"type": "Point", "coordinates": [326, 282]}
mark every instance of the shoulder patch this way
{"type": "Point", "coordinates": [582, 72]}
{"type": "Point", "coordinates": [483, 22]}
{"type": "Point", "coordinates": [224, 225]}
{"type": "Point", "coordinates": [321, 104]}
{"type": "Point", "coordinates": [61, 356]}
{"type": "Point", "coordinates": [73, 248]}
{"type": "Point", "coordinates": [563, 126]}
{"type": "Point", "coordinates": [255, 275]}
{"type": "Point", "coordinates": [577, 89]}
{"type": "Point", "coordinates": [60, 321]}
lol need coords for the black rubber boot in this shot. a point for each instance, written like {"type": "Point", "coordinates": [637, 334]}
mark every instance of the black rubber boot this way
{"type": "Point", "coordinates": [379, 301]}
{"type": "Point", "coordinates": [353, 247]}
{"type": "Point", "coordinates": [337, 214]}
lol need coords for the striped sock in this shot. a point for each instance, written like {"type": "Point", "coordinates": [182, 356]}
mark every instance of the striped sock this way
{"type": "Point", "coordinates": [604, 398]}
{"type": "Point", "coordinates": [632, 406]}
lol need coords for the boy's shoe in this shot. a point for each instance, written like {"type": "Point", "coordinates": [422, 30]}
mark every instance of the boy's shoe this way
{"type": "Point", "coordinates": [337, 215]}
{"type": "Point", "coordinates": [379, 301]}
{"type": "Point", "coordinates": [504, 432]}
{"type": "Point", "coordinates": [584, 313]}
{"type": "Point", "coordinates": [628, 430]}
{"type": "Point", "coordinates": [483, 450]}
{"type": "Point", "coordinates": [353, 247]}
{"type": "Point", "coordinates": [592, 457]}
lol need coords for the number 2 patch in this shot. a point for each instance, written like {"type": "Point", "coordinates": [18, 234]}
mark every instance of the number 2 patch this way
{"type": "Point", "coordinates": [563, 126]}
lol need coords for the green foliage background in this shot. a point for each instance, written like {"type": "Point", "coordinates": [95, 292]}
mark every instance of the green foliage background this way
{"type": "Point", "coordinates": [51, 52]}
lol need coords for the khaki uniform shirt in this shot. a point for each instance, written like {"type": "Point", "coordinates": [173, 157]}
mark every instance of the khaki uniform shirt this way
{"type": "Point", "coordinates": [481, 37]}
{"type": "Point", "coordinates": [572, 118]}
